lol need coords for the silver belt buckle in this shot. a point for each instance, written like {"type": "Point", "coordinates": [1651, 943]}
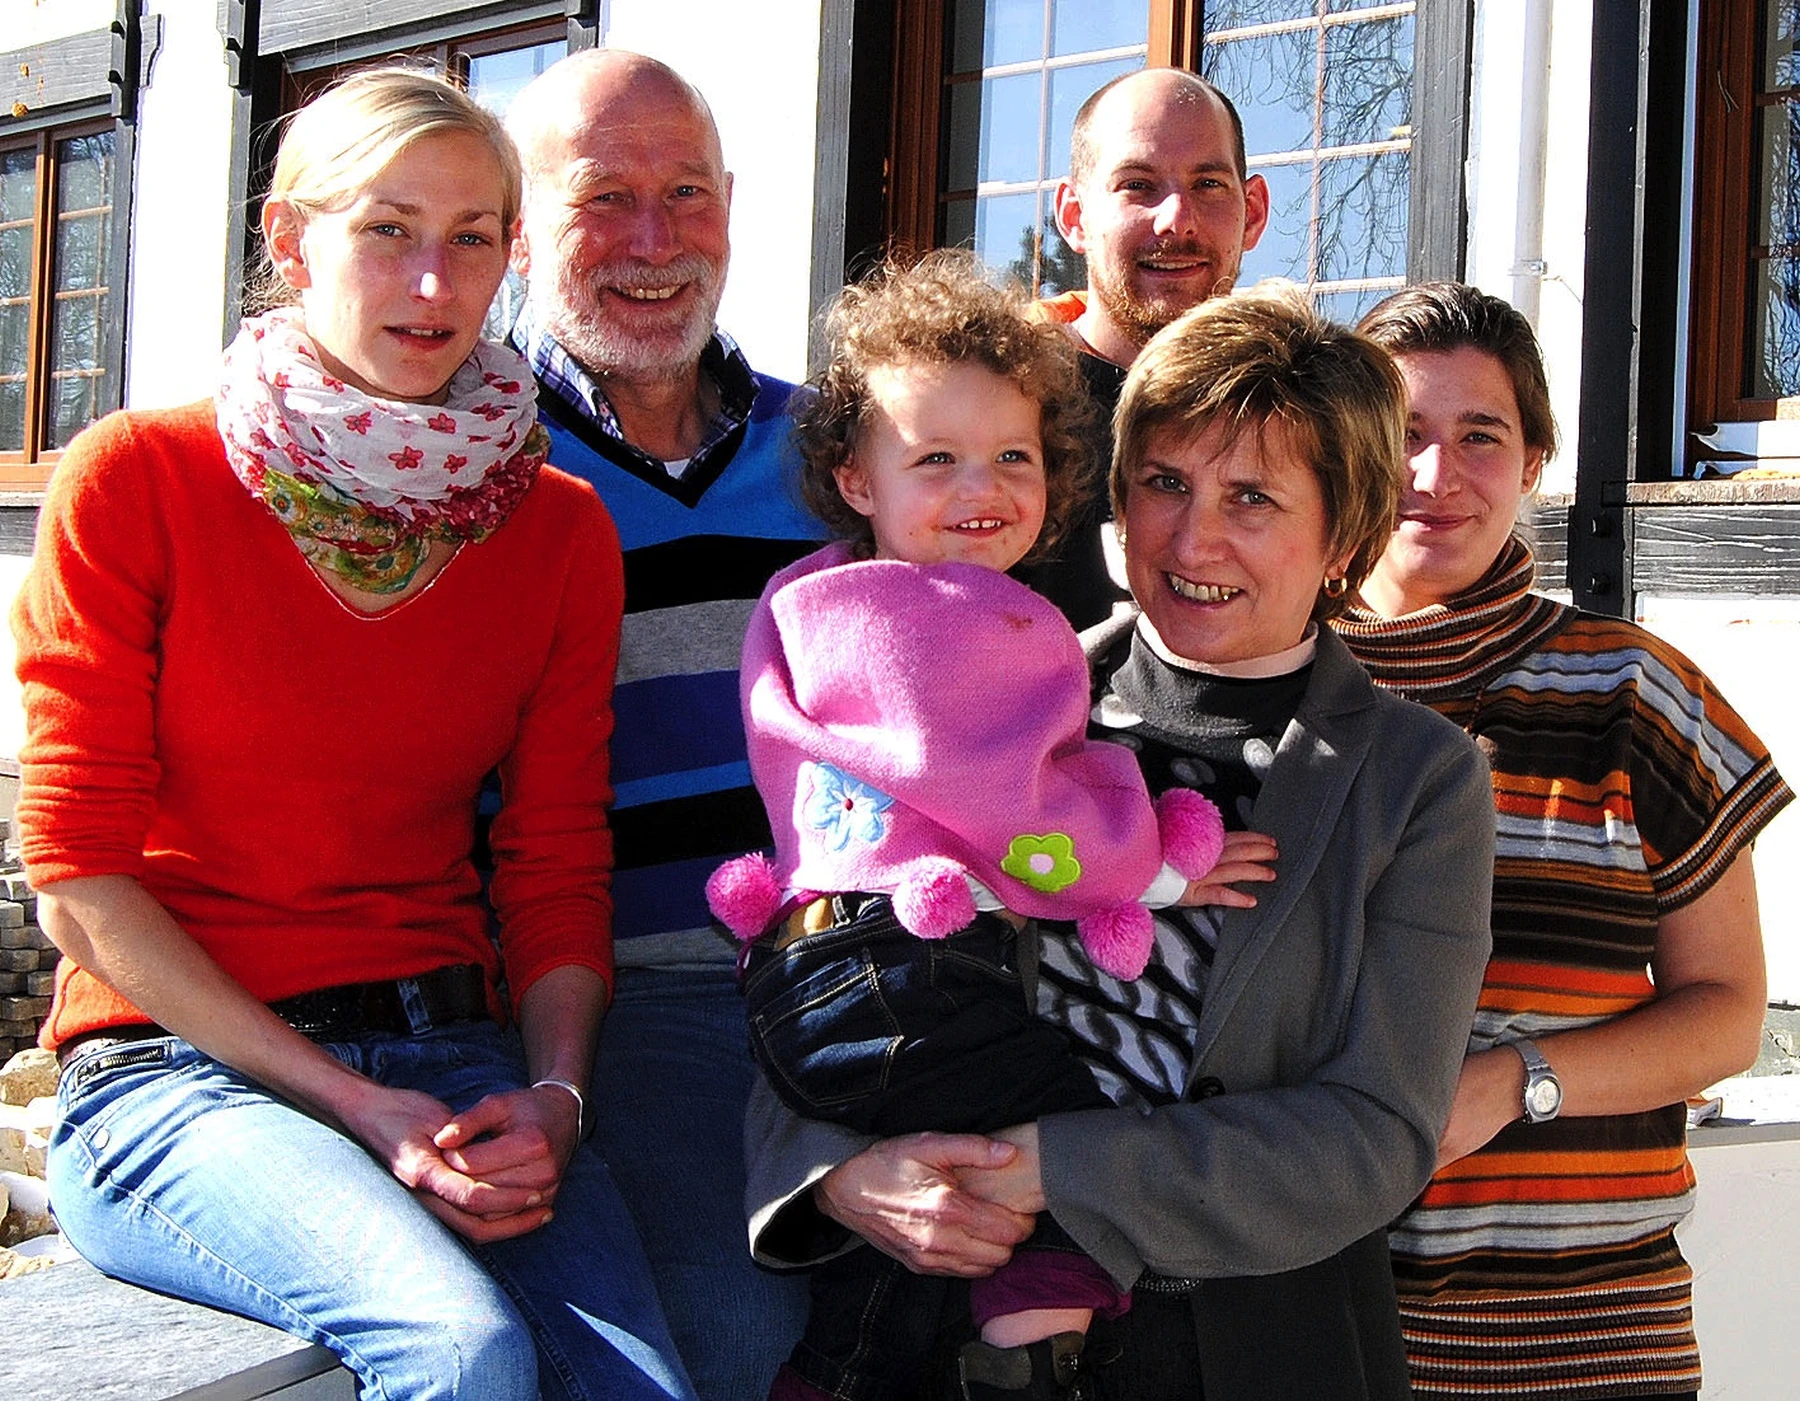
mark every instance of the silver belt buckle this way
{"type": "Point", "coordinates": [412, 1002]}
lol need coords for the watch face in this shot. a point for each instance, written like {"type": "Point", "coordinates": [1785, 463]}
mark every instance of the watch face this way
{"type": "Point", "coordinates": [1543, 1097]}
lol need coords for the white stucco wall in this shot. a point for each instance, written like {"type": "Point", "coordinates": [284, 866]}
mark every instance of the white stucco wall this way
{"type": "Point", "coordinates": [1743, 1242]}
{"type": "Point", "coordinates": [1500, 89]}
{"type": "Point", "coordinates": [758, 67]}
{"type": "Point", "coordinates": [180, 215]}
{"type": "Point", "coordinates": [27, 22]}
{"type": "Point", "coordinates": [1750, 648]}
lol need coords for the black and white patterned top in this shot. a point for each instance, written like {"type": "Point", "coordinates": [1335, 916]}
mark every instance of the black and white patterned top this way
{"type": "Point", "coordinates": [1190, 729]}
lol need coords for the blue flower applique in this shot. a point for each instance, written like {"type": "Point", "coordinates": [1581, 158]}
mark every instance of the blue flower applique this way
{"type": "Point", "coordinates": [844, 808]}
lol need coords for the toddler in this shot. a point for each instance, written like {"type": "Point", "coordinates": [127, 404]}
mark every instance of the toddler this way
{"type": "Point", "coordinates": [916, 725]}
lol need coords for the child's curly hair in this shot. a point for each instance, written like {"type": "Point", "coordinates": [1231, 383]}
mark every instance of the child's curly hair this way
{"type": "Point", "coordinates": [942, 310]}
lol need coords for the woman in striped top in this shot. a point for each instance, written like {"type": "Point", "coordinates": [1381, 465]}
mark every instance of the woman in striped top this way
{"type": "Point", "coordinates": [1627, 970]}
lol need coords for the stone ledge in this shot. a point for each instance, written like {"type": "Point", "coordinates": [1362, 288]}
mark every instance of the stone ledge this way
{"type": "Point", "coordinates": [71, 1331]}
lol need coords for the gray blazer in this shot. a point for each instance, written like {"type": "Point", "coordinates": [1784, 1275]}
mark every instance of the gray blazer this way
{"type": "Point", "coordinates": [1331, 1035]}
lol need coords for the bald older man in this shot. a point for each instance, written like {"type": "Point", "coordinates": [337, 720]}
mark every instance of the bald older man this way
{"type": "Point", "coordinates": [1159, 201]}
{"type": "Point", "coordinates": [624, 247]}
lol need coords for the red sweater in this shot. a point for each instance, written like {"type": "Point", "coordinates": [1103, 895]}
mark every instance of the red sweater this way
{"type": "Point", "coordinates": [296, 782]}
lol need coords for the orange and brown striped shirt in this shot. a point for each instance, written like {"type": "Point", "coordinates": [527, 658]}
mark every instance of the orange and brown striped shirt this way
{"type": "Point", "coordinates": [1545, 1264]}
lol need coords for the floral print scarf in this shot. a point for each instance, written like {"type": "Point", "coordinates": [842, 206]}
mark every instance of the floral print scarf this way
{"type": "Point", "coordinates": [364, 484]}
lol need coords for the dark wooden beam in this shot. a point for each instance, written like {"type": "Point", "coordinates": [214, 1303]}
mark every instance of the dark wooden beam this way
{"type": "Point", "coordinates": [1606, 434]}
{"type": "Point", "coordinates": [1437, 215]}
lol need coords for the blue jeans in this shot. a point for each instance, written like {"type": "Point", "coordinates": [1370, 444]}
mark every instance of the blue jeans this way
{"type": "Point", "coordinates": [866, 1025]}
{"type": "Point", "coordinates": [175, 1172]}
{"type": "Point", "coordinates": [669, 1090]}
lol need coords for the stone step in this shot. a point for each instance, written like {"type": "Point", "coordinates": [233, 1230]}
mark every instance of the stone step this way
{"type": "Point", "coordinates": [72, 1332]}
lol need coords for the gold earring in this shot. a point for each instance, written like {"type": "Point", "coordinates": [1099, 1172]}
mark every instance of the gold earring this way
{"type": "Point", "coordinates": [1337, 588]}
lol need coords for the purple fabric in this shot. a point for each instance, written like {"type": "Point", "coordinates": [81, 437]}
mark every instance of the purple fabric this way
{"type": "Point", "coordinates": [1045, 1279]}
{"type": "Point", "coordinates": [898, 711]}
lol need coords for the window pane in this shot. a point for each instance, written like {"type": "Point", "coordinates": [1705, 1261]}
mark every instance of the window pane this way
{"type": "Point", "coordinates": [1780, 213]}
{"type": "Point", "coordinates": [1082, 25]}
{"type": "Point", "coordinates": [18, 209]}
{"type": "Point", "coordinates": [994, 130]}
{"type": "Point", "coordinates": [1782, 69]}
{"type": "Point", "coordinates": [1004, 231]}
{"type": "Point", "coordinates": [1368, 81]}
{"type": "Point", "coordinates": [1776, 362]}
{"type": "Point", "coordinates": [986, 33]}
{"type": "Point", "coordinates": [1069, 88]}
{"type": "Point", "coordinates": [1362, 217]}
{"type": "Point", "coordinates": [1347, 308]}
{"type": "Point", "coordinates": [495, 79]}
{"type": "Point", "coordinates": [81, 321]}
{"type": "Point", "coordinates": [84, 172]}
{"type": "Point", "coordinates": [12, 414]}
{"type": "Point", "coordinates": [1233, 14]}
{"type": "Point", "coordinates": [15, 262]}
{"type": "Point", "coordinates": [1271, 79]}
{"type": "Point", "coordinates": [1285, 247]}
{"type": "Point", "coordinates": [18, 185]}
{"type": "Point", "coordinates": [1061, 268]}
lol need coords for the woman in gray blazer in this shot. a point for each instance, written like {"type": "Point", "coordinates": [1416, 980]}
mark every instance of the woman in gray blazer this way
{"type": "Point", "coordinates": [1283, 1068]}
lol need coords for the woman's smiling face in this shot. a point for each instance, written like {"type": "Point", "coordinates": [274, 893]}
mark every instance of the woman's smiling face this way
{"type": "Point", "coordinates": [1227, 546]}
{"type": "Point", "coordinates": [1468, 469]}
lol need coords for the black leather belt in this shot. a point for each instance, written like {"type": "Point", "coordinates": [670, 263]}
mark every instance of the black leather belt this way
{"type": "Point", "coordinates": [403, 1006]}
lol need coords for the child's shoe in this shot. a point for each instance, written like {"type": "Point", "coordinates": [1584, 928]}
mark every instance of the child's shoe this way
{"type": "Point", "coordinates": [1049, 1370]}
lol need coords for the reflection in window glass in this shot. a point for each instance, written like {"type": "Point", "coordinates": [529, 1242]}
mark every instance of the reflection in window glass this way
{"type": "Point", "coordinates": [1782, 65]}
{"type": "Point", "coordinates": [1285, 249]}
{"type": "Point", "coordinates": [1368, 82]}
{"type": "Point", "coordinates": [1325, 92]}
{"type": "Point", "coordinates": [1272, 81]}
{"type": "Point", "coordinates": [18, 205]}
{"type": "Point", "coordinates": [1241, 14]}
{"type": "Point", "coordinates": [79, 319]}
{"type": "Point", "coordinates": [1780, 215]}
{"type": "Point", "coordinates": [1777, 354]}
{"type": "Point", "coordinates": [1362, 217]}
{"type": "Point", "coordinates": [1006, 230]}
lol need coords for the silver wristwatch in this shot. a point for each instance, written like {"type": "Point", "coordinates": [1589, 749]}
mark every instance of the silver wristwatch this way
{"type": "Point", "coordinates": [1543, 1091]}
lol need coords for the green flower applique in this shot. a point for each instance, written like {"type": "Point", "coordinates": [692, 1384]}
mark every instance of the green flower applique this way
{"type": "Point", "coordinates": [1045, 863]}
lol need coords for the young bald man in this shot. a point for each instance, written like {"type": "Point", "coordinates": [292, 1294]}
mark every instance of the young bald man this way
{"type": "Point", "coordinates": [1159, 202]}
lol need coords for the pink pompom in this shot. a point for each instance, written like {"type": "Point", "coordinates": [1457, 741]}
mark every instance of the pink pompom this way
{"type": "Point", "coordinates": [743, 895]}
{"type": "Point", "coordinates": [1193, 833]}
{"type": "Point", "coordinates": [932, 897]}
{"type": "Point", "coordinates": [1119, 940]}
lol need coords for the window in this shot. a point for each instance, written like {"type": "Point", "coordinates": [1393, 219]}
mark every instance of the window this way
{"type": "Point", "coordinates": [57, 317]}
{"type": "Point", "coordinates": [1018, 72]}
{"type": "Point", "coordinates": [1325, 91]}
{"type": "Point", "coordinates": [1746, 312]}
{"type": "Point", "coordinates": [1325, 88]}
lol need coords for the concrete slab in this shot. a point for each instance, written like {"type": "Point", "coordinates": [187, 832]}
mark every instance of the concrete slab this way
{"type": "Point", "coordinates": [71, 1331]}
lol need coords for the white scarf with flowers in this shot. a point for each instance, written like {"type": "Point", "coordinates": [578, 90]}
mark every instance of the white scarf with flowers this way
{"type": "Point", "coordinates": [365, 484]}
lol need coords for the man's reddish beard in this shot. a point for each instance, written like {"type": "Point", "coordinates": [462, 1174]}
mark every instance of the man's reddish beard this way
{"type": "Point", "coordinates": [1142, 317]}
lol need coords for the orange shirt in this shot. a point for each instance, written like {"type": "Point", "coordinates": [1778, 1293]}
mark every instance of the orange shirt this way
{"type": "Point", "coordinates": [296, 782]}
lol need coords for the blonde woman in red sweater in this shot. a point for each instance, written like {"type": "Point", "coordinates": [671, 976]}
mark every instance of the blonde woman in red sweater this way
{"type": "Point", "coordinates": [270, 645]}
